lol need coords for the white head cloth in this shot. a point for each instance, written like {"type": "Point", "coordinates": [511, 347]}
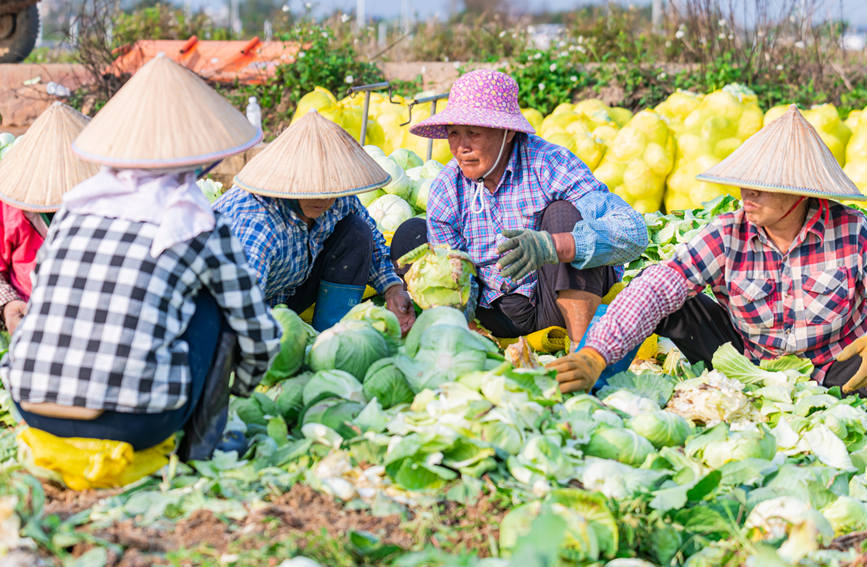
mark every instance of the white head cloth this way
{"type": "Point", "coordinates": [171, 200]}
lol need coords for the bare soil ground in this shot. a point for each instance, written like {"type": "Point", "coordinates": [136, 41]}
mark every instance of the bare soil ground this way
{"type": "Point", "coordinates": [295, 515]}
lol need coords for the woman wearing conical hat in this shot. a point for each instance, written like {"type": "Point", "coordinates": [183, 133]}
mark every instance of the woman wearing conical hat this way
{"type": "Point", "coordinates": [140, 291]}
{"type": "Point", "coordinates": [307, 236]}
{"type": "Point", "coordinates": [787, 270]}
{"type": "Point", "coordinates": [34, 175]}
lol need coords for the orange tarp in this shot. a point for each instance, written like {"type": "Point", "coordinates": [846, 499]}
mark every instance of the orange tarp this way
{"type": "Point", "coordinates": [251, 61]}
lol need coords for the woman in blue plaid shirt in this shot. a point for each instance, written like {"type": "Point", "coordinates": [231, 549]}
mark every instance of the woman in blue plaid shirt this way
{"type": "Point", "coordinates": [544, 234]}
{"type": "Point", "coordinates": [305, 232]}
{"type": "Point", "coordinates": [143, 302]}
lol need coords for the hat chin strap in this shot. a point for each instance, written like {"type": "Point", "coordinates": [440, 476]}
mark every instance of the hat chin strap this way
{"type": "Point", "coordinates": [479, 191]}
{"type": "Point", "coordinates": [792, 208]}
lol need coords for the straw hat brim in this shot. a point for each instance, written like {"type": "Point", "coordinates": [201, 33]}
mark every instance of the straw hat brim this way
{"type": "Point", "coordinates": [436, 126]}
{"type": "Point", "coordinates": [162, 163]}
{"type": "Point", "coordinates": [312, 159]}
{"type": "Point", "coordinates": [322, 195]}
{"type": "Point", "coordinates": [165, 117]}
{"type": "Point", "coordinates": [786, 156]}
{"type": "Point", "coordinates": [771, 188]}
{"type": "Point", "coordinates": [41, 167]}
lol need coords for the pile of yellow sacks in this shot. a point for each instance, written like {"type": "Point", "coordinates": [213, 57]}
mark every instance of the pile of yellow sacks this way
{"type": "Point", "coordinates": [856, 149]}
{"type": "Point", "coordinates": [587, 128]}
{"type": "Point", "coordinates": [384, 119]}
{"type": "Point", "coordinates": [651, 159]}
{"type": "Point", "coordinates": [720, 123]}
{"type": "Point", "coordinates": [639, 161]}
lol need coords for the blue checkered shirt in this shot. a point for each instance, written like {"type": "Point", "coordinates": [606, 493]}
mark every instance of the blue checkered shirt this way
{"type": "Point", "coordinates": [282, 249]}
{"type": "Point", "coordinates": [538, 173]}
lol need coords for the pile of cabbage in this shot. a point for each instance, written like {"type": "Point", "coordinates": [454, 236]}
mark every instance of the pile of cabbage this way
{"type": "Point", "coordinates": [667, 231]}
{"type": "Point", "coordinates": [406, 194]}
{"type": "Point", "coordinates": [670, 463]}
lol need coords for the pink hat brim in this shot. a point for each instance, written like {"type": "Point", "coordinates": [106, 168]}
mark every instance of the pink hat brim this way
{"type": "Point", "coordinates": [435, 126]}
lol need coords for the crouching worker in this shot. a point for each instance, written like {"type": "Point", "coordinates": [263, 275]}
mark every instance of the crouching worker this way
{"type": "Point", "coordinates": [545, 236]}
{"type": "Point", "coordinates": [787, 270]}
{"type": "Point", "coordinates": [34, 175]}
{"type": "Point", "coordinates": [305, 233]}
{"type": "Point", "coordinates": [142, 296]}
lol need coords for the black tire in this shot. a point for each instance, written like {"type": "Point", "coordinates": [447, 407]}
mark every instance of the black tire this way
{"type": "Point", "coordinates": [19, 43]}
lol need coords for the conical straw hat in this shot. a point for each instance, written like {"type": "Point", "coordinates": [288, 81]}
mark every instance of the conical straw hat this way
{"type": "Point", "coordinates": [786, 156]}
{"type": "Point", "coordinates": [312, 159]}
{"type": "Point", "coordinates": [41, 166]}
{"type": "Point", "coordinates": [165, 117]}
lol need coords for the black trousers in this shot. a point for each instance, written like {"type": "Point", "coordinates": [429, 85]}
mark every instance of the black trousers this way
{"type": "Point", "coordinates": [701, 326]}
{"type": "Point", "coordinates": [514, 315]}
{"type": "Point", "coordinates": [345, 259]}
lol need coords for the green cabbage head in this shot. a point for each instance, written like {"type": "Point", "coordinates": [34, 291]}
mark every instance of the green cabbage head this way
{"type": "Point", "coordinates": [846, 515]}
{"type": "Point", "coordinates": [332, 383]}
{"type": "Point", "coordinates": [385, 382]}
{"type": "Point", "coordinates": [351, 346]}
{"type": "Point", "coordinates": [379, 318]}
{"type": "Point", "coordinates": [439, 276]}
{"type": "Point", "coordinates": [622, 445]}
{"type": "Point", "coordinates": [662, 428]}
{"type": "Point", "coordinates": [579, 544]}
{"type": "Point", "coordinates": [296, 334]}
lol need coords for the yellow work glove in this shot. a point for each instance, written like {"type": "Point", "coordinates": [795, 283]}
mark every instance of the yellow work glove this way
{"type": "Point", "coordinates": [859, 380]}
{"type": "Point", "coordinates": [550, 339]}
{"type": "Point", "coordinates": [579, 370]}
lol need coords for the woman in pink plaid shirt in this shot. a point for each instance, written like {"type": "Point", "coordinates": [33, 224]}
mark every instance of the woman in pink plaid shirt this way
{"type": "Point", "coordinates": [787, 271]}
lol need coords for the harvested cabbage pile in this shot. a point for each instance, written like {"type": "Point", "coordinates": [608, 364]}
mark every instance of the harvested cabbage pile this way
{"type": "Point", "coordinates": [744, 464]}
{"type": "Point", "coordinates": [667, 231]}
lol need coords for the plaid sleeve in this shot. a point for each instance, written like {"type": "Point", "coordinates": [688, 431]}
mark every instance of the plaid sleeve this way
{"type": "Point", "coordinates": [610, 232]}
{"type": "Point", "coordinates": [443, 216]}
{"type": "Point", "coordinates": [7, 292]}
{"type": "Point", "coordinates": [636, 311]}
{"type": "Point", "coordinates": [382, 275]}
{"type": "Point", "coordinates": [233, 285]}
{"type": "Point", "coordinates": [7, 295]}
{"type": "Point", "coordinates": [257, 237]}
{"type": "Point", "coordinates": [701, 260]}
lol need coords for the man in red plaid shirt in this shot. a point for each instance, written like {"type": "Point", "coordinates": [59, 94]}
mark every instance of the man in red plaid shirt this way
{"type": "Point", "coordinates": [787, 270]}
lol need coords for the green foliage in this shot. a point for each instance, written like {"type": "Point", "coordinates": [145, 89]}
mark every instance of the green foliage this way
{"type": "Point", "coordinates": [324, 61]}
{"type": "Point", "coordinates": [163, 21]}
{"type": "Point", "coordinates": [545, 79]}
{"type": "Point", "coordinates": [487, 37]}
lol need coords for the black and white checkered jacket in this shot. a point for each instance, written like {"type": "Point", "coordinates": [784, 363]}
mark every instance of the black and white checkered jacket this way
{"type": "Point", "coordinates": [104, 320]}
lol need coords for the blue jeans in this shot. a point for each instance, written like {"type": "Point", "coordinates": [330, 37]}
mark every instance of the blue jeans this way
{"type": "Point", "coordinates": [143, 430]}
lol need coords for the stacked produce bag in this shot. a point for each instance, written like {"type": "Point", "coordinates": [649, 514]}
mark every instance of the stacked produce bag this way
{"type": "Point", "coordinates": [639, 161]}
{"type": "Point", "coordinates": [856, 150]}
{"type": "Point", "coordinates": [718, 125]}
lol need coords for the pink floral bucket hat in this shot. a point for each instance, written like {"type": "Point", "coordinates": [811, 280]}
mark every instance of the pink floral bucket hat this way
{"type": "Point", "coordinates": [479, 98]}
